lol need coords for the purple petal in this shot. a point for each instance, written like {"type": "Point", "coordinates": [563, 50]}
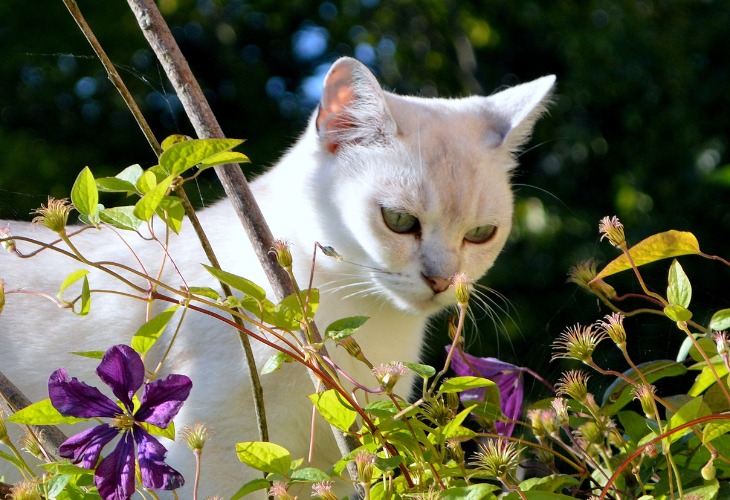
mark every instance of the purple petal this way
{"type": "Point", "coordinates": [84, 448]}
{"type": "Point", "coordinates": [122, 369]}
{"type": "Point", "coordinates": [162, 399]}
{"type": "Point", "coordinates": [73, 398]}
{"type": "Point", "coordinates": [114, 477]}
{"type": "Point", "coordinates": [508, 378]}
{"type": "Point", "coordinates": [156, 474]}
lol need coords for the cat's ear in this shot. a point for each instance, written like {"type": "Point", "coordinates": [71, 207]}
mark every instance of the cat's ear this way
{"type": "Point", "coordinates": [353, 107]}
{"type": "Point", "coordinates": [516, 110]}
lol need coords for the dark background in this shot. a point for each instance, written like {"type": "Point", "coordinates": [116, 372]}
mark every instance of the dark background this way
{"type": "Point", "coordinates": [638, 128]}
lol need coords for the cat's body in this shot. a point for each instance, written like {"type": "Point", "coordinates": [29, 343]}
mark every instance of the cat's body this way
{"type": "Point", "coordinates": [446, 162]}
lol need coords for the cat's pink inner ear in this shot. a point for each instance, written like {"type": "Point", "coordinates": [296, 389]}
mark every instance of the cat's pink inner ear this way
{"type": "Point", "coordinates": [337, 95]}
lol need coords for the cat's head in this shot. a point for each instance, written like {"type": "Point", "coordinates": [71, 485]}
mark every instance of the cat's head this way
{"type": "Point", "coordinates": [417, 190]}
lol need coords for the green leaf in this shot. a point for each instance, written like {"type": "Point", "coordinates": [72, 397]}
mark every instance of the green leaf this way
{"type": "Point", "coordinates": [460, 384]}
{"type": "Point", "coordinates": [42, 413]}
{"type": "Point", "coordinates": [145, 208]}
{"type": "Point", "coordinates": [89, 354]}
{"type": "Point", "coordinates": [720, 320]}
{"type": "Point", "coordinates": [693, 410]}
{"type": "Point", "coordinates": [204, 291]}
{"type": "Point", "coordinates": [121, 218]}
{"type": "Point", "coordinates": [424, 371]}
{"type": "Point", "coordinates": [173, 139]}
{"type": "Point", "coordinates": [714, 430]}
{"type": "Point", "coordinates": [172, 212]}
{"type": "Point", "coordinates": [453, 428]}
{"type": "Point", "coordinates": [309, 475]}
{"type": "Point", "coordinates": [264, 456]}
{"type": "Point", "coordinates": [474, 492]}
{"type": "Point", "coordinates": [70, 279]}
{"type": "Point", "coordinates": [344, 327]}
{"type": "Point", "coordinates": [275, 362]}
{"type": "Point", "coordinates": [223, 159]}
{"type": "Point", "coordinates": [148, 333]}
{"type": "Point", "coordinates": [146, 182]}
{"type": "Point", "coordinates": [679, 289]}
{"type": "Point", "coordinates": [619, 393]}
{"type": "Point", "coordinates": [487, 410]}
{"type": "Point", "coordinates": [84, 194]}
{"type": "Point", "coordinates": [85, 298]}
{"type": "Point", "coordinates": [56, 484]}
{"type": "Point", "coordinates": [184, 155]}
{"type": "Point", "coordinates": [706, 378]}
{"type": "Point", "coordinates": [251, 487]}
{"type": "Point", "coordinates": [656, 247]}
{"type": "Point", "coordinates": [239, 283]}
{"type": "Point", "coordinates": [334, 409]}
{"type": "Point", "coordinates": [7, 457]}
{"type": "Point", "coordinates": [551, 483]}
{"type": "Point", "coordinates": [288, 314]}
{"type": "Point", "coordinates": [677, 313]}
{"type": "Point", "coordinates": [92, 220]}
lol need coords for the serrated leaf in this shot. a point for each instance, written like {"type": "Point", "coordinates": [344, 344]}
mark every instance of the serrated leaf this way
{"type": "Point", "coordinates": [679, 288]}
{"type": "Point", "coordinates": [656, 247]}
{"type": "Point", "coordinates": [275, 362]}
{"type": "Point", "coordinates": [334, 409]}
{"type": "Point", "coordinates": [121, 218]}
{"type": "Point", "coordinates": [460, 384]}
{"type": "Point", "coordinates": [309, 475]}
{"type": "Point", "coordinates": [720, 320]}
{"type": "Point", "coordinates": [677, 313]}
{"type": "Point", "coordinates": [223, 159]}
{"type": "Point", "coordinates": [147, 205]}
{"type": "Point", "coordinates": [84, 194]}
{"type": "Point", "coordinates": [238, 282]}
{"type": "Point", "coordinates": [70, 279]}
{"type": "Point", "coordinates": [619, 393]}
{"type": "Point", "coordinates": [148, 333]}
{"type": "Point", "coordinates": [264, 456]}
{"type": "Point", "coordinates": [344, 327]}
{"type": "Point", "coordinates": [42, 413]}
{"type": "Point", "coordinates": [424, 371]}
{"type": "Point", "coordinates": [184, 155]}
{"type": "Point", "coordinates": [714, 430]}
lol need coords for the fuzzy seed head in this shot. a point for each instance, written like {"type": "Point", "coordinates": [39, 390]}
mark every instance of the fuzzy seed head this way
{"type": "Point", "coordinates": [584, 275]}
{"type": "Point", "coordinates": [463, 286]}
{"type": "Point", "coordinates": [25, 490]}
{"type": "Point", "coordinates": [577, 342]}
{"type": "Point", "coordinates": [722, 343]}
{"type": "Point", "coordinates": [498, 458]}
{"type": "Point", "coordinates": [560, 406]}
{"type": "Point", "coordinates": [613, 326]}
{"type": "Point", "coordinates": [574, 384]}
{"type": "Point", "coordinates": [544, 423]}
{"type": "Point", "coordinates": [612, 229]}
{"type": "Point", "coordinates": [29, 444]}
{"type": "Point", "coordinates": [279, 492]}
{"type": "Point", "coordinates": [388, 374]}
{"type": "Point", "coordinates": [645, 394]}
{"type": "Point", "coordinates": [323, 490]}
{"type": "Point", "coordinates": [282, 250]}
{"type": "Point", "coordinates": [54, 215]}
{"type": "Point", "coordinates": [365, 463]}
{"type": "Point", "coordinates": [196, 436]}
{"type": "Point", "coordinates": [590, 432]}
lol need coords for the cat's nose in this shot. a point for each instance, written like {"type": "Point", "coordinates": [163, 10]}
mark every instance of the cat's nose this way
{"type": "Point", "coordinates": [437, 283]}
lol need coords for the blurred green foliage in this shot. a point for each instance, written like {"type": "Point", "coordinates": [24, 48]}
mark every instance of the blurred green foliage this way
{"type": "Point", "coordinates": [638, 128]}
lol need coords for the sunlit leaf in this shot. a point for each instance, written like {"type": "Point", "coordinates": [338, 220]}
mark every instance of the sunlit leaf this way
{"type": "Point", "coordinates": [223, 159]}
{"type": "Point", "coordinates": [424, 371]}
{"type": "Point", "coordinates": [204, 291]}
{"type": "Point", "coordinates": [42, 413]}
{"type": "Point", "coordinates": [89, 354]}
{"type": "Point", "coordinates": [275, 362]}
{"type": "Point", "coordinates": [656, 247]}
{"type": "Point", "coordinates": [184, 155]}
{"type": "Point", "coordinates": [148, 333]}
{"type": "Point", "coordinates": [251, 487]}
{"type": "Point", "coordinates": [85, 298]}
{"type": "Point", "coordinates": [146, 206]}
{"type": "Point", "coordinates": [168, 432]}
{"type": "Point", "coordinates": [70, 279]}
{"type": "Point", "coordinates": [677, 313]}
{"type": "Point", "coordinates": [121, 218]}
{"type": "Point", "coordinates": [288, 313]}
{"type": "Point", "coordinates": [84, 194]}
{"type": "Point", "coordinates": [720, 320]}
{"type": "Point", "coordinates": [334, 409]}
{"type": "Point", "coordinates": [264, 456]}
{"type": "Point", "coordinates": [474, 492]}
{"type": "Point", "coordinates": [344, 327]}
{"type": "Point", "coordinates": [172, 212]}
{"type": "Point", "coordinates": [146, 182]}
{"type": "Point", "coordinates": [693, 410]}
{"type": "Point", "coordinates": [173, 139]}
{"type": "Point", "coordinates": [460, 384]}
{"type": "Point", "coordinates": [238, 282]}
{"type": "Point", "coordinates": [714, 430]}
{"type": "Point", "coordinates": [679, 289]}
{"type": "Point", "coordinates": [309, 475]}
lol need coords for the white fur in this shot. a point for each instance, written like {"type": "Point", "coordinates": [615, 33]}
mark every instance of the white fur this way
{"type": "Point", "coordinates": [447, 162]}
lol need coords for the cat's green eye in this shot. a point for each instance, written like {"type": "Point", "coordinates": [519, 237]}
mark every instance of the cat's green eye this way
{"type": "Point", "coordinates": [399, 221]}
{"type": "Point", "coordinates": [481, 234]}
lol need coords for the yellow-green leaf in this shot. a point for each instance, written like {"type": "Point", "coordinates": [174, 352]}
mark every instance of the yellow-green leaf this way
{"type": "Point", "coordinates": [679, 288]}
{"type": "Point", "coordinates": [42, 413]}
{"type": "Point", "coordinates": [656, 247]}
{"type": "Point", "coordinates": [70, 279]}
{"type": "Point", "coordinates": [84, 194]}
{"type": "Point", "coordinates": [334, 409]}
{"type": "Point", "coordinates": [146, 206]}
{"type": "Point", "coordinates": [714, 430]}
{"type": "Point", "coordinates": [148, 333]}
{"type": "Point", "coordinates": [184, 155]}
{"type": "Point", "coordinates": [720, 320]}
{"type": "Point", "coordinates": [693, 410]}
{"type": "Point", "coordinates": [224, 158]}
{"type": "Point", "coordinates": [264, 456]}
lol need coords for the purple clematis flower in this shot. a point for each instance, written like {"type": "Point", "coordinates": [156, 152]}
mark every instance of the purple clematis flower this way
{"type": "Point", "coordinates": [122, 370]}
{"type": "Point", "coordinates": [508, 378]}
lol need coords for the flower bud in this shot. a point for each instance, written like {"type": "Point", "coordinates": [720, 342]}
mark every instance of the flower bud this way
{"type": "Point", "coordinates": [323, 490]}
{"type": "Point", "coordinates": [279, 491]}
{"type": "Point", "coordinates": [574, 384]}
{"type": "Point", "coordinates": [584, 275]}
{"type": "Point", "coordinates": [388, 374]}
{"type": "Point", "coordinates": [365, 463]}
{"type": "Point", "coordinates": [463, 286]}
{"type": "Point", "coordinates": [613, 326]}
{"type": "Point", "coordinates": [353, 349]}
{"type": "Point", "coordinates": [645, 394]}
{"type": "Point", "coordinates": [8, 243]}
{"type": "Point", "coordinates": [560, 405]}
{"type": "Point", "coordinates": [708, 471]}
{"type": "Point", "coordinates": [30, 444]}
{"type": "Point", "coordinates": [543, 423]}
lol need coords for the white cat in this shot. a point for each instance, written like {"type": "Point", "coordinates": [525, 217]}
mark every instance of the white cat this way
{"type": "Point", "coordinates": [412, 190]}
